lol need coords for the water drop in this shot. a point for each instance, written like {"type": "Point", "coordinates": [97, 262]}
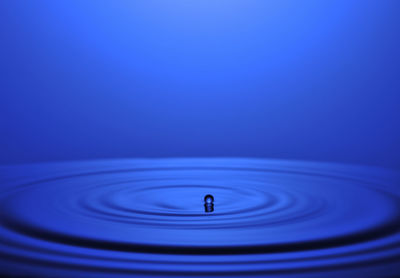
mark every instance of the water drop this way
{"type": "Point", "coordinates": [209, 203]}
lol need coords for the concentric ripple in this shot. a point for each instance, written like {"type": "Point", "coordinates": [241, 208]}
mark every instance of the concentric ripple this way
{"type": "Point", "coordinates": [123, 218]}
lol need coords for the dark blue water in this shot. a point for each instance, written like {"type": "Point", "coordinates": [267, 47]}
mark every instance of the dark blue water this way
{"type": "Point", "coordinates": [120, 218]}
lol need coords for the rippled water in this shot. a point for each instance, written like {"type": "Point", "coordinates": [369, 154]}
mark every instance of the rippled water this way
{"type": "Point", "coordinates": [146, 217]}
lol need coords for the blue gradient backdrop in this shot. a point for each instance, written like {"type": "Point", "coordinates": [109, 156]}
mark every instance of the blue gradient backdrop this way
{"type": "Point", "coordinates": [310, 80]}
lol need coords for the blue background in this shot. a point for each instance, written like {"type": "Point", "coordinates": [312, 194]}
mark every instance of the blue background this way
{"type": "Point", "coordinates": [310, 80]}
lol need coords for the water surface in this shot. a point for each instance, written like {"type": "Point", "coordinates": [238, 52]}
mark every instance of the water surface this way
{"type": "Point", "coordinates": [121, 218]}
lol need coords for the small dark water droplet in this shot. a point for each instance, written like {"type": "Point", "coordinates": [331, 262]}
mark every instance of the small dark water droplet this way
{"type": "Point", "coordinates": [209, 203]}
{"type": "Point", "coordinates": [209, 199]}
